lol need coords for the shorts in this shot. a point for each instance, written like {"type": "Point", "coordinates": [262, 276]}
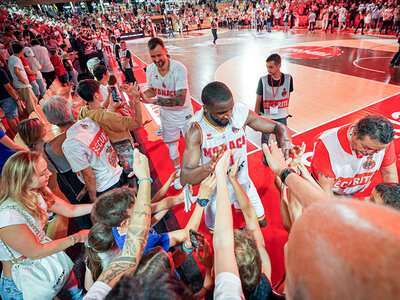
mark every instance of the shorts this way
{"type": "Point", "coordinates": [251, 191]}
{"type": "Point", "coordinates": [171, 130]}
{"type": "Point", "coordinates": [9, 107]}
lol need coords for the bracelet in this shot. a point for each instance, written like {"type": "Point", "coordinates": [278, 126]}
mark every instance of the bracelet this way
{"type": "Point", "coordinates": [187, 250]}
{"type": "Point", "coordinates": [285, 173]}
{"type": "Point", "coordinates": [73, 240]}
{"type": "Point", "coordinates": [145, 178]}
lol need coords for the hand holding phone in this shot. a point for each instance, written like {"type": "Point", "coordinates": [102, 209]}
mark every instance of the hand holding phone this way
{"type": "Point", "coordinates": [197, 239]}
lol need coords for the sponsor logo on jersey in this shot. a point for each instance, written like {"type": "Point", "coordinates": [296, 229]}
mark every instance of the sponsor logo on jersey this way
{"type": "Point", "coordinates": [284, 93]}
{"type": "Point", "coordinates": [164, 86]}
{"type": "Point", "coordinates": [369, 164]}
{"type": "Point", "coordinates": [84, 126]}
{"type": "Point", "coordinates": [358, 180]}
{"type": "Point", "coordinates": [156, 77]}
{"type": "Point", "coordinates": [235, 130]}
{"type": "Point", "coordinates": [99, 141]}
{"type": "Point", "coordinates": [209, 136]}
{"type": "Point", "coordinates": [283, 103]}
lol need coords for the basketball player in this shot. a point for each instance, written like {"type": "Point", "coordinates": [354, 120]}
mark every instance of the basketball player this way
{"type": "Point", "coordinates": [219, 126]}
{"type": "Point", "coordinates": [168, 87]}
{"type": "Point", "coordinates": [346, 158]}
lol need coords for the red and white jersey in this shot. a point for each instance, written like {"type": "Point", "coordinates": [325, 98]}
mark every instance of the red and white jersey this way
{"type": "Point", "coordinates": [233, 138]}
{"type": "Point", "coordinates": [87, 145]}
{"type": "Point", "coordinates": [352, 172]}
{"type": "Point", "coordinates": [166, 87]}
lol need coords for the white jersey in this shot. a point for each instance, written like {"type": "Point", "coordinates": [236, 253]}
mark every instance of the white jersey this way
{"type": "Point", "coordinates": [352, 174]}
{"type": "Point", "coordinates": [234, 137]}
{"type": "Point", "coordinates": [87, 145]}
{"type": "Point", "coordinates": [166, 87]}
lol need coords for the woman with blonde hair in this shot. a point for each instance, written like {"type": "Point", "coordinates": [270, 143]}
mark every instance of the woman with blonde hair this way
{"type": "Point", "coordinates": [34, 267]}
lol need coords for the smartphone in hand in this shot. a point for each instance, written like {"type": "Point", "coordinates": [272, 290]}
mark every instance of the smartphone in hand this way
{"type": "Point", "coordinates": [197, 239]}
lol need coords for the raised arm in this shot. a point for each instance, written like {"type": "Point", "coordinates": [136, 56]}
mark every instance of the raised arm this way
{"type": "Point", "coordinates": [250, 216]}
{"type": "Point", "coordinates": [224, 253]}
{"type": "Point", "coordinates": [136, 238]}
{"type": "Point", "coordinates": [177, 100]}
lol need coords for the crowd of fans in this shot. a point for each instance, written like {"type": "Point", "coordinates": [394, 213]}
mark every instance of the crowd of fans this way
{"type": "Point", "coordinates": [43, 59]}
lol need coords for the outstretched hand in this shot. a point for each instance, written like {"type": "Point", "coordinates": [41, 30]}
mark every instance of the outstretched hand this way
{"type": "Point", "coordinates": [207, 186]}
{"type": "Point", "coordinates": [275, 158]}
{"type": "Point", "coordinates": [234, 169]}
{"type": "Point", "coordinates": [215, 158]}
{"type": "Point", "coordinates": [221, 169]}
{"type": "Point", "coordinates": [140, 165]}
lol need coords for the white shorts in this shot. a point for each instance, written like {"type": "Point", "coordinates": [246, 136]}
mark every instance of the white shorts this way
{"type": "Point", "coordinates": [251, 192]}
{"type": "Point", "coordinates": [171, 130]}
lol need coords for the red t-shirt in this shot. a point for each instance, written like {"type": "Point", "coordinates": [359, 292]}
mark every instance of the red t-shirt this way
{"type": "Point", "coordinates": [58, 65]}
{"type": "Point", "coordinates": [321, 162]}
{"type": "Point", "coordinates": [26, 64]}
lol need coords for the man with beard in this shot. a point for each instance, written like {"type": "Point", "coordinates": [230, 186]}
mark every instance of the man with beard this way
{"type": "Point", "coordinates": [346, 158]}
{"type": "Point", "coordinates": [217, 127]}
{"type": "Point", "coordinates": [168, 87]}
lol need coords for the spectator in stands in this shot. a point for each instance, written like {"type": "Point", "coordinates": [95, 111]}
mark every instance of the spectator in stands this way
{"type": "Point", "coordinates": [59, 68]}
{"type": "Point", "coordinates": [20, 78]}
{"type": "Point", "coordinates": [36, 67]}
{"type": "Point", "coordinates": [7, 148]}
{"type": "Point", "coordinates": [116, 126]}
{"type": "Point", "coordinates": [33, 133]}
{"type": "Point", "coordinates": [24, 199]}
{"type": "Point", "coordinates": [102, 75]}
{"type": "Point", "coordinates": [43, 57]}
{"type": "Point", "coordinates": [9, 99]}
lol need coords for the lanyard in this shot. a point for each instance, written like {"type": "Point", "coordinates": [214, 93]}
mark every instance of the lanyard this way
{"type": "Point", "coordinates": [272, 85]}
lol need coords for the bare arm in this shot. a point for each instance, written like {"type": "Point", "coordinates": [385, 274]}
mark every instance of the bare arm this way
{"type": "Point", "coordinates": [268, 126]}
{"type": "Point", "coordinates": [11, 91]}
{"type": "Point", "coordinates": [29, 246]}
{"type": "Point", "coordinates": [29, 71]}
{"type": "Point", "coordinates": [224, 254]}
{"type": "Point", "coordinates": [164, 189]}
{"type": "Point", "coordinates": [177, 100]}
{"type": "Point", "coordinates": [305, 192]}
{"type": "Point", "coordinates": [65, 208]}
{"type": "Point", "coordinates": [251, 218]}
{"type": "Point", "coordinates": [166, 203]}
{"type": "Point", "coordinates": [258, 103]}
{"type": "Point", "coordinates": [90, 181]}
{"type": "Point", "coordinates": [191, 171]}
{"type": "Point", "coordinates": [136, 238]}
{"type": "Point", "coordinates": [9, 143]}
{"type": "Point", "coordinates": [389, 173]}
{"type": "Point", "coordinates": [326, 183]}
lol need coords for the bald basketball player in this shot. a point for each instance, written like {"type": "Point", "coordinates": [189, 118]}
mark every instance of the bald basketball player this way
{"type": "Point", "coordinates": [333, 251]}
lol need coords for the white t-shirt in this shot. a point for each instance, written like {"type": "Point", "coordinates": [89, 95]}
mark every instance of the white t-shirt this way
{"type": "Point", "coordinates": [228, 286]}
{"type": "Point", "coordinates": [12, 217]}
{"type": "Point", "coordinates": [43, 57]}
{"type": "Point", "coordinates": [98, 291]}
{"type": "Point", "coordinates": [166, 87]}
{"type": "Point", "coordinates": [15, 62]}
{"type": "Point", "coordinates": [104, 92]}
{"type": "Point", "coordinates": [87, 144]}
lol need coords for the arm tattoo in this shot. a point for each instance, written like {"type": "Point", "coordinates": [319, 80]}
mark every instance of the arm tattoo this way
{"type": "Point", "coordinates": [178, 100]}
{"type": "Point", "coordinates": [136, 239]}
{"type": "Point", "coordinates": [323, 176]}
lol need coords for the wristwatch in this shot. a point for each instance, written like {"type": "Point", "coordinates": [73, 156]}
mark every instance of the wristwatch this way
{"type": "Point", "coordinates": [202, 202]}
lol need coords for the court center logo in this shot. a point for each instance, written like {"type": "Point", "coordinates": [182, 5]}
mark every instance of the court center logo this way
{"type": "Point", "coordinates": [301, 52]}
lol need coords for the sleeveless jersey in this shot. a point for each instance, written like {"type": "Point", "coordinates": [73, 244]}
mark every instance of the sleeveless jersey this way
{"type": "Point", "coordinates": [280, 101]}
{"type": "Point", "coordinates": [352, 174]}
{"type": "Point", "coordinates": [233, 138]}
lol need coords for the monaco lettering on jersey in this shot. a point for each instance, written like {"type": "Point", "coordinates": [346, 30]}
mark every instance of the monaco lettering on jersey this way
{"type": "Point", "coordinates": [99, 142]}
{"type": "Point", "coordinates": [358, 180]}
{"type": "Point", "coordinates": [235, 144]}
{"type": "Point", "coordinates": [164, 93]}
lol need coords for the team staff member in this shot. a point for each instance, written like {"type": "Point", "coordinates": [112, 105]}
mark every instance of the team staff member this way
{"type": "Point", "coordinates": [346, 158]}
{"type": "Point", "coordinates": [222, 122]}
{"type": "Point", "coordinates": [168, 87]}
{"type": "Point", "coordinates": [273, 93]}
